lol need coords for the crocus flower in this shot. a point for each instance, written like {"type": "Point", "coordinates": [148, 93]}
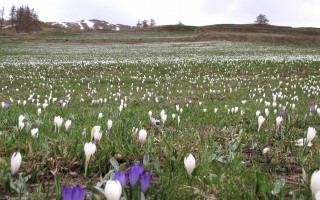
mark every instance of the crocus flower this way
{"type": "Point", "coordinates": [163, 116]}
{"type": "Point", "coordinates": [190, 163]}
{"type": "Point", "coordinates": [94, 130]}
{"type": "Point", "coordinates": [4, 105]}
{"type": "Point", "coordinates": [100, 115]}
{"type": "Point", "coordinates": [39, 111]}
{"type": "Point", "coordinates": [21, 118]}
{"type": "Point", "coordinates": [121, 177]}
{"type": "Point", "coordinates": [315, 185]}
{"type": "Point", "coordinates": [283, 111]}
{"type": "Point", "coordinates": [265, 150]}
{"type": "Point", "coordinates": [311, 134]}
{"type": "Point", "coordinates": [260, 121]}
{"type": "Point", "coordinates": [15, 162]}
{"type": "Point", "coordinates": [89, 150]}
{"type": "Point", "coordinates": [58, 122]}
{"type": "Point", "coordinates": [313, 108]}
{"type": "Point", "coordinates": [97, 136]}
{"type": "Point", "coordinates": [34, 132]}
{"type": "Point", "coordinates": [142, 136]}
{"type": "Point", "coordinates": [21, 125]}
{"type": "Point", "coordinates": [73, 193]}
{"type": "Point", "coordinates": [109, 124]}
{"type": "Point", "coordinates": [145, 181]}
{"type": "Point", "coordinates": [113, 190]}
{"type": "Point", "coordinates": [67, 124]}
{"type": "Point", "coordinates": [278, 122]}
{"type": "Point", "coordinates": [134, 174]}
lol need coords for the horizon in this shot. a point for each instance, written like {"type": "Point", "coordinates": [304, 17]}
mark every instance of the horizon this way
{"type": "Point", "coordinates": [294, 13]}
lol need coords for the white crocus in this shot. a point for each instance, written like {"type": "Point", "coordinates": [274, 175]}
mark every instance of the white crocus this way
{"type": "Point", "coordinates": [21, 125]}
{"type": "Point", "coordinates": [58, 122]}
{"type": "Point", "coordinates": [109, 124]}
{"type": "Point", "coordinates": [163, 116]}
{"type": "Point", "coordinates": [278, 122]}
{"type": "Point", "coordinates": [266, 111]}
{"type": "Point", "coordinates": [94, 130]}
{"type": "Point", "coordinates": [258, 113]}
{"type": "Point", "coordinates": [15, 162]}
{"type": "Point", "coordinates": [190, 163]}
{"type": "Point", "coordinates": [315, 185]}
{"type": "Point", "coordinates": [97, 136]}
{"type": "Point", "coordinates": [310, 136]}
{"type": "Point", "coordinates": [265, 150]}
{"type": "Point", "coordinates": [89, 150]}
{"type": "Point", "coordinates": [67, 124]}
{"type": "Point", "coordinates": [39, 111]}
{"type": "Point", "coordinates": [34, 132]}
{"type": "Point", "coordinates": [261, 119]}
{"type": "Point", "coordinates": [100, 115]}
{"type": "Point", "coordinates": [113, 190]}
{"type": "Point", "coordinates": [142, 136]}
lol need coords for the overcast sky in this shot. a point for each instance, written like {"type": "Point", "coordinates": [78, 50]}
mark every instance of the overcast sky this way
{"type": "Point", "coordinates": [295, 13]}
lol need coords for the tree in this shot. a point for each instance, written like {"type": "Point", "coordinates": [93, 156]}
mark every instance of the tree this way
{"type": "Point", "coordinates": [145, 23]}
{"type": "Point", "coordinates": [1, 20]}
{"type": "Point", "coordinates": [180, 23]}
{"type": "Point", "coordinates": [24, 19]}
{"type": "Point", "coordinates": [152, 23]}
{"type": "Point", "coordinates": [261, 20]}
{"type": "Point", "coordinates": [139, 25]}
{"type": "Point", "coordinates": [12, 15]}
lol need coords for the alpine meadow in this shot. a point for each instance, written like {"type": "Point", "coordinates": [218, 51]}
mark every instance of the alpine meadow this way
{"type": "Point", "coordinates": [110, 115]}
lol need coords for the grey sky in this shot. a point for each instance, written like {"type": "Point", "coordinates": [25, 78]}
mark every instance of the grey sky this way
{"type": "Point", "coordinates": [296, 13]}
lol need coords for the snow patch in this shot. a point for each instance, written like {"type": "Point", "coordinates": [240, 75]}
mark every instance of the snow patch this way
{"type": "Point", "coordinates": [116, 29]}
{"type": "Point", "coordinates": [81, 27]}
{"type": "Point", "coordinates": [63, 24]}
{"type": "Point", "coordinates": [89, 23]}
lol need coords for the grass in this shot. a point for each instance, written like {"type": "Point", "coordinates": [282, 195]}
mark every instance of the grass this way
{"type": "Point", "coordinates": [96, 78]}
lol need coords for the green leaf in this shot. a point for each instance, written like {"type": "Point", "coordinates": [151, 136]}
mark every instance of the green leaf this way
{"type": "Point", "coordinates": [114, 163]}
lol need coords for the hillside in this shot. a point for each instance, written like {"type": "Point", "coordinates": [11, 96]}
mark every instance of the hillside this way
{"type": "Point", "coordinates": [99, 31]}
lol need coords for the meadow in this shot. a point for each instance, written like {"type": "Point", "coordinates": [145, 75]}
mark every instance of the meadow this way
{"type": "Point", "coordinates": [238, 108]}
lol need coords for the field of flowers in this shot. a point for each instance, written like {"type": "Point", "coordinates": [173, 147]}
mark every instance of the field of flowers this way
{"type": "Point", "coordinates": [205, 120]}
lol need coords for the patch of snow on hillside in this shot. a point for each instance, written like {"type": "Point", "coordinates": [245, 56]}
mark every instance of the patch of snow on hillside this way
{"type": "Point", "coordinates": [116, 29]}
{"type": "Point", "coordinates": [63, 24]}
{"type": "Point", "coordinates": [89, 23]}
{"type": "Point", "coordinates": [81, 27]}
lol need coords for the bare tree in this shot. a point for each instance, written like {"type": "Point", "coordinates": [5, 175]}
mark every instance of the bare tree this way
{"type": "Point", "coordinates": [1, 20]}
{"type": "Point", "coordinates": [152, 23]}
{"type": "Point", "coordinates": [12, 15]}
{"type": "Point", "coordinates": [261, 20]}
{"type": "Point", "coordinates": [139, 25]}
{"type": "Point", "coordinates": [145, 23]}
{"type": "Point", "coordinates": [24, 19]}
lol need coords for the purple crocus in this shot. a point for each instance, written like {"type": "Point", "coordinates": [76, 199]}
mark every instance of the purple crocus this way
{"type": "Point", "coordinates": [122, 177]}
{"type": "Point", "coordinates": [283, 111]}
{"type": "Point", "coordinates": [134, 174]}
{"type": "Point", "coordinates": [73, 193]}
{"type": "Point", "coordinates": [145, 181]}
{"type": "Point", "coordinates": [313, 107]}
{"type": "Point", "coordinates": [5, 105]}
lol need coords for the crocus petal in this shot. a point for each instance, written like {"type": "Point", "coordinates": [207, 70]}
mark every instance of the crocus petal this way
{"type": "Point", "coordinates": [78, 193]}
{"type": "Point", "coordinates": [135, 172]}
{"type": "Point", "coordinates": [67, 193]}
{"type": "Point", "coordinates": [122, 178]}
{"type": "Point", "coordinates": [113, 190]}
{"type": "Point", "coordinates": [145, 181]}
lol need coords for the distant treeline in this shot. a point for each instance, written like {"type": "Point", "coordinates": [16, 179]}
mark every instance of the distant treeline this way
{"type": "Point", "coordinates": [24, 19]}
